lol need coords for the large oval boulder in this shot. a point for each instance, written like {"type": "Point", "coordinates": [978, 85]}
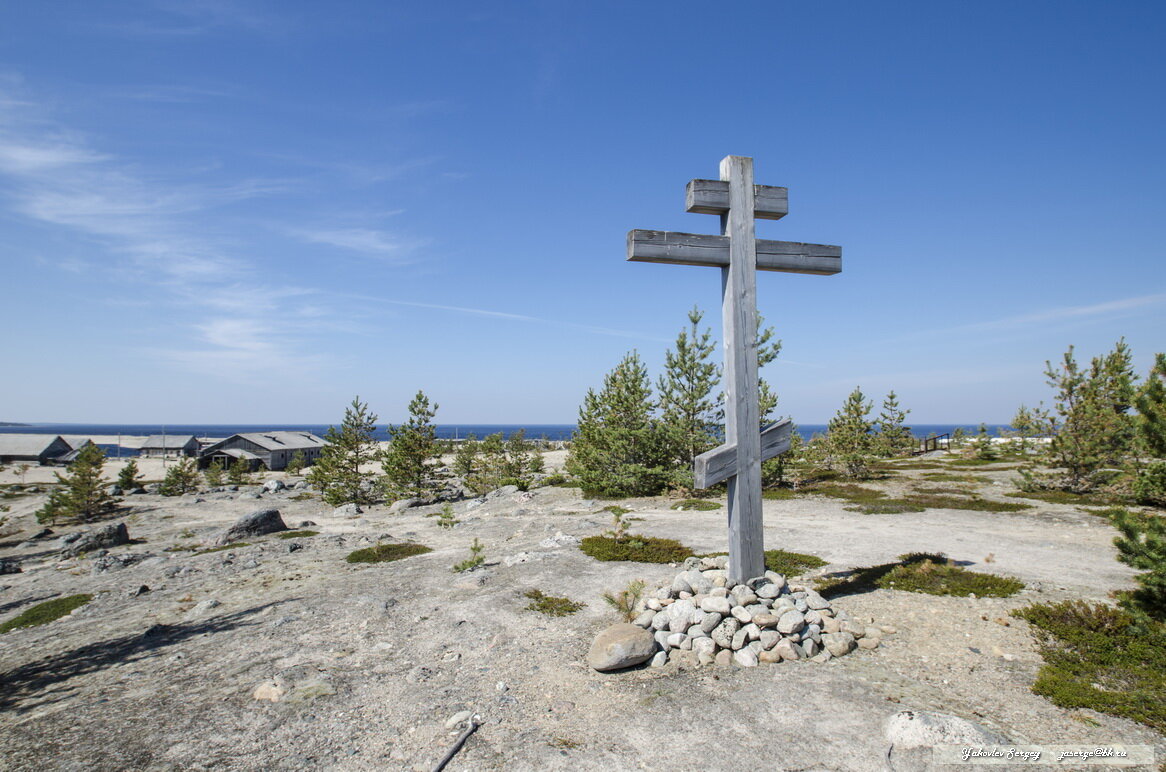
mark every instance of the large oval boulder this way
{"type": "Point", "coordinates": [621, 646]}
{"type": "Point", "coordinates": [110, 535]}
{"type": "Point", "coordinates": [258, 523]}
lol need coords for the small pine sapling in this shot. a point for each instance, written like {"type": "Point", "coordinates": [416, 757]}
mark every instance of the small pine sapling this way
{"type": "Point", "coordinates": [625, 601]}
{"type": "Point", "coordinates": [445, 518]}
{"type": "Point", "coordinates": [213, 474]}
{"type": "Point", "coordinates": [296, 464]}
{"type": "Point", "coordinates": [476, 559]}
{"type": "Point", "coordinates": [1142, 545]}
{"type": "Point", "coordinates": [129, 478]}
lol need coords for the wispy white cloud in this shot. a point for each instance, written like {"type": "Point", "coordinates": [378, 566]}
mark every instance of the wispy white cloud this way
{"type": "Point", "coordinates": [156, 226]}
{"type": "Point", "coordinates": [180, 18]}
{"type": "Point", "coordinates": [1044, 319]}
{"type": "Point", "coordinates": [368, 241]}
{"type": "Point", "coordinates": [506, 315]}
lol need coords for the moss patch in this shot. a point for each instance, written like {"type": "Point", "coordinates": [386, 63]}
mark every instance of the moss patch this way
{"type": "Point", "coordinates": [888, 507]}
{"type": "Point", "coordinates": [641, 549]}
{"type": "Point", "coordinates": [785, 563]}
{"type": "Point", "coordinates": [698, 505]}
{"type": "Point", "coordinates": [1096, 658]}
{"type": "Point", "coordinates": [932, 501]}
{"type": "Point", "coordinates": [232, 546]}
{"type": "Point", "coordinates": [856, 494]}
{"type": "Point", "coordinates": [930, 573]}
{"type": "Point", "coordinates": [957, 478]}
{"type": "Point", "coordinates": [296, 534]}
{"type": "Point", "coordinates": [779, 494]}
{"type": "Point", "coordinates": [550, 605]}
{"type": "Point", "coordinates": [1066, 497]}
{"type": "Point", "coordinates": [43, 613]}
{"type": "Point", "coordinates": [384, 553]}
{"type": "Point", "coordinates": [615, 509]}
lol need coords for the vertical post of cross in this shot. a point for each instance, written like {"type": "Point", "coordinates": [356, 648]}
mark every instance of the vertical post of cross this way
{"type": "Point", "coordinates": [742, 420]}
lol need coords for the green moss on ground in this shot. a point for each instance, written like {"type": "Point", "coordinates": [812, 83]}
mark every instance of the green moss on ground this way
{"type": "Point", "coordinates": [43, 613]}
{"type": "Point", "coordinates": [931, 501]}
{"type": "Point", "coordinates": [888, 507]}
{"type": "Point", "coordinates": [1097, 658]}
{"type": "Point", "coordinates": [698, 505]}
{"type": "Point", "coordinates": [779, 494]}
{"type": "Point", "coordinates": [856, 494]}
{"type": "Point", "coordinates": [384, 553]}
{"type": "Point", "coordinates": [231, 546]}
{"type": "Point", "coordinates": [957, 478]}
{"type": "Point", "coordinates": [1067, 497]}
{"type": "Point", "coordinates": [551, 605]}
{"type": "Point", "coordinates": [296, 534]}
{"type": "Point", "coordinates": [615, 509]}
{"type": "Point", "coordinates": [641, 549]}
{"type": "Point", "coordinates": [930, 573]}
{"type": "Point", "coordinates": [785, 563]}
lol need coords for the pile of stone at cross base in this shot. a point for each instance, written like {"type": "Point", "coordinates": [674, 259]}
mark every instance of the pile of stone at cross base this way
{"type": "Point", "coordinates": [763, 620]}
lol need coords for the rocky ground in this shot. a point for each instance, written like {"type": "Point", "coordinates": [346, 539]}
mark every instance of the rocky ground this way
{"type": "Point", "coordinates": [281, 655]}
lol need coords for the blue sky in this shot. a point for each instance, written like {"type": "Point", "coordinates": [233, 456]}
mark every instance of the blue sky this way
{"type": "Point", "coordinates": [252, 211]}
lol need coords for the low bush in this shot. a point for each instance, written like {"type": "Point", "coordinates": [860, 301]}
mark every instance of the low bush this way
{"type": "Point", "coordinates": [43, 613]}
{"type": "Point", "coordinates": [384, 553]}
{"type": "Point", "coordinates": [296, 534]}
{"type": "Point", "coordinates": [641, 549]}
{"type": "Point", "coordinates": [1065, 497]}
{"type": "Point", "coordinates": [973, 503]}
{"type": "Point", "coordinates": [930, 573]}
{"type": "Point", "coordinates": [1097, 657]}
{"type": "Point", "coordinates": [889, 507]}
{"type": "Point", "coordinates": [697, 505]}
{"type": "Point", "coordinates": [550, 605]}
{"type": "Point", "coordinates": [785, 563]}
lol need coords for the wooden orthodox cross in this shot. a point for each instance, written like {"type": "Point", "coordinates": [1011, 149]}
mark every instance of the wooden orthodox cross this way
{"type": "Point", "coordinates": [738, 253]}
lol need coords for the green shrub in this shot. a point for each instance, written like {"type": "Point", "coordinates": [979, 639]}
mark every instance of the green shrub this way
{"type": "Point", "coordinates": [554, 479]}
{"type": "Point", "coordinates": [1150, 485]}
{"type": "Point", "coordinates": [550, 605]}
{"type": "Point", "coordinates": [473, 561]}
{"type": "Point", "coordinates": [889, 507]}
{"type": "Point", "coordinates": [43, 613]}
{"type": "Point", "coordinates": [698, 505]}
{"type": "Point", "coordinates": [384, 553]}
{"type": "Point", "coordinates": [221, 548]}
{"type": "Point", "coordinates": [296, 534]}
{"type": "Point", "coordinates": [785, 563]}
{"type": "Point", "coordinates": [626, 600]}
{"type": "Point", "coordinates": [974, 503]}
{"type": "Point", "coordinates": [1099, 658]}
{"type": "Point", "coordinates": [1142, 545]}
{"type": "Point", "coordinates": [930, 573]}
{"type": "Point", "coordinates": [641, 549]}
{"type": "Point", "coordinates": [1064, 497]}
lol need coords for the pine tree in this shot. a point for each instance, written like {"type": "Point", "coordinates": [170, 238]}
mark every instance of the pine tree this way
{"type": "Point", "coordinates": [1094, 430]}
{"type": "Point", "coordinates": [1150, 480]}
{"type": "Point", "coordinates": [180, 478]}
{"type": "Point", "coordinates": [337, 474]}
{"type": "Point", "coordinates": [894, 439]}
{"type": "Point", "coordinates": [619, 449]}
{"type": "Point", "coordinates": [688, 398]}
{"type": "Point", "coordinates": [412, 445]}
{"type": "Point", "coordinates": [1142, 545]}
{"type": "Point", "coordinates": [464, 456]}
{"type": "Point", "coordinates": [1026, 423]}
{"type": "Point", "coordinates": [296, 463]}
{"type": "Point", "coordinates": [848, 443]}
{"type": "Point", "coordinates": [213, 474]}
{"type": "Point", "coordinates": [767, 351]}
{"type": "Point", "coordinates": [129, 478]}
{"type": "Point", "coordinates": [983, 446]}
{"type": "Point", "coordinates": [82, 494]}
{"type": "Point", "coordinates": [239, 472]}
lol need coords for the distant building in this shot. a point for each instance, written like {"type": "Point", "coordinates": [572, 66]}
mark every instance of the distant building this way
{"type": "Point", "coordinates": [39, 449]}
{"type": "Point", "coordinates": [272, 450]}
{"type": "Point", "coordinates": [170, 446]}
{"type": "Point", "coordinates": [75, 444]}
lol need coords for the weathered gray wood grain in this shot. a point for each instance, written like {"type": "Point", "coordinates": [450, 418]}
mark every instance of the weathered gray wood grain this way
{"type": "Point", "coordinates": [712, 197]}
{"type": "Point", "coordinates": [739, 322]}
{"type": "Point", "coordinates": [720, 463]}
{"type": "Point", "coordinates": [646, 246]}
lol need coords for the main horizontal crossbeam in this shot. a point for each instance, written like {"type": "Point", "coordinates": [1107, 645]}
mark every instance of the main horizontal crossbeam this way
{"type": "Point", "coordinates": [697, 249]}
{"type": "Point", "coordinates": [720, 463]}
{"type": "Point", "coordinates": [712, 197]}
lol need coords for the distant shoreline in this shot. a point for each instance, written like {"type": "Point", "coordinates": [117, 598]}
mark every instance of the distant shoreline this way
{"type": "Point", "coordinates": [132, 434]}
